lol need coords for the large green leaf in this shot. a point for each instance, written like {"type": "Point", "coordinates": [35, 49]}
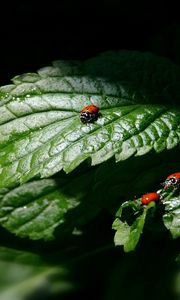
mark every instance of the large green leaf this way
{"type": "Point", "coordinates": [152, 76]}
{"type": "Point", "coordinates": [40, 129]}
{"type": "Point", "coordinates": [36, 208]}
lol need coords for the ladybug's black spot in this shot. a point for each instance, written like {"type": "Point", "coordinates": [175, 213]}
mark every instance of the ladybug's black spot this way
{"type": "Point", "coordinates": [87, 117]}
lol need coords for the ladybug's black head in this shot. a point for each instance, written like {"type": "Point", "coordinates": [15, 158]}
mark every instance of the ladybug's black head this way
{"type": "Point", "coordinates": [170, 182]}
{"type": "Point", "coordinates": [87, 117]}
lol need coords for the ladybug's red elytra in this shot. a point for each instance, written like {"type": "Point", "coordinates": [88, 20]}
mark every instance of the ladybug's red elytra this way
{"type": "Point", "coordinates": [172, 180]}
{"type": "Point", "coordinates": [89, 114]}
{"type": "Point", "coordinates": [147, 198]}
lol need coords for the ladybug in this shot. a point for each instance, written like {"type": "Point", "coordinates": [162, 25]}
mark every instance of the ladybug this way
{"type": "Point", "coordinates": [172, 180]}
{"type": "Point", "coordinates": [89, 114]}
{"type": "Point", "coordinates": [147, 198]}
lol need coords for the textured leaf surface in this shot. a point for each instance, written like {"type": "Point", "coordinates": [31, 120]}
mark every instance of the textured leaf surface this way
{"type": "Point", "coordinates": [35, 209]}
{"type": "Point", "coordinates": [41, 132]}
{"type": "Point", "coordinates": [172, 216]}
{"type": "Point", "coordinates": [46, 208]}
{"type": "Point", "coordinates": [154, 76]}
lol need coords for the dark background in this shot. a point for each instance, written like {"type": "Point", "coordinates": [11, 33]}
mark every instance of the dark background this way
{"type": "Point", "coordinates": [33, 33]}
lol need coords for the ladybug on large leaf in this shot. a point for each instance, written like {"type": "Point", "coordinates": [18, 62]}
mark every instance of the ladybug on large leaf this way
{"type": "Point", "coordinates": [89, 114]}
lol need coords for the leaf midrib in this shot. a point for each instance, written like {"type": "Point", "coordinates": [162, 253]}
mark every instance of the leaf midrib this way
{"type": "Point", "coordinates": [65, 129]}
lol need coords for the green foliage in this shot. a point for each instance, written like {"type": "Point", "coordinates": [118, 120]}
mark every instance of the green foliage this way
{"type": "Point", "coordinates": [41, 133]}
{"type": "Point", "coordinates": [58, 176]}
{"type": "Point", "coordinates": [29, 274]}
{"type": "Point", "coordinates": [127, 235]}
{"type": "Point", "coordinates": [167, 209]}
{"type": "Point", "coordinates": [36, 208]}
{"type": "Point", "coordinates": [171, 217]}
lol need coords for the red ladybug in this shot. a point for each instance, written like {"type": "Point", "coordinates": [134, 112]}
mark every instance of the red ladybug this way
{"type": "Point", "coordinates": [89, 114]}
{"type": "Point", "coordinates": [172, 180]}
{"type": "Point", "coordinates": [147, 198]}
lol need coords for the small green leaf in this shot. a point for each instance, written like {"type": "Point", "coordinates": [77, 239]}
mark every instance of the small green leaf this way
{"type": "Point", "coordinates": [171, 217]}
{"type": "Point", "coordinates": [136, 230]}
{"type": "Point", "coordinates": [122, 232]}
{"type": "Point", "coordinates": [40, 128]}
{"type": "Point", "coordinates": [129, 235]}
